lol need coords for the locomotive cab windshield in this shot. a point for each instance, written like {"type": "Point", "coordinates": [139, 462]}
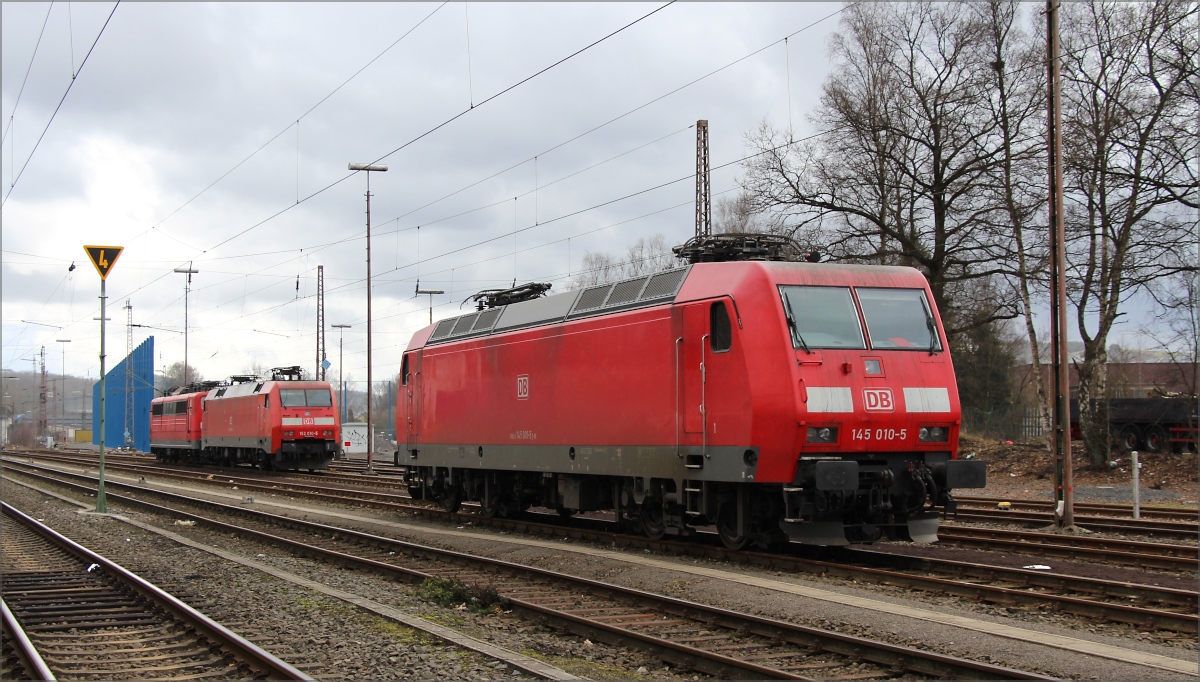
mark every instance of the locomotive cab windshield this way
{"type": "Point", "coordinates": [899, 319]}
{"type": "Point", "coordinates": [822, 317]}
{"type": "Point", "coordinates": [305, 397]}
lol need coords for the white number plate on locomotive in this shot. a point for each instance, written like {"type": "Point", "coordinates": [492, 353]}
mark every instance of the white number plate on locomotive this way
{"type": "Point", "coordinates": [878, 434]}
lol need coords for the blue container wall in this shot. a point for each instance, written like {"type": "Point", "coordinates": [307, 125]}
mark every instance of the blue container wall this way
{"type": "Point", "coordinates": [141, 366]}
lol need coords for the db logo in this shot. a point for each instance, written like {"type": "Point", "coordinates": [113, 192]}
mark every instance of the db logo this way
{"type": "Point", "coordinates": [523, 387]}
{"type": "Point", "coordinates": [306, 421]}
{"type": "Point", "coordinates": [879, 399]}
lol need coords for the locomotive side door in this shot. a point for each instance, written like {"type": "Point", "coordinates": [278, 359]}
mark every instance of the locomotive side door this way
{"type": "Point", "coordinates": [706, 371]}
{"type": "Point", "coordinates": [690, 368]}
{"type": "Point", "coordinates": [410, 377]}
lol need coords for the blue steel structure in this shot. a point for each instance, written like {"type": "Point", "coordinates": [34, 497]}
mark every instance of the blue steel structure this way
{"type": "Point", "coordinates": [141, 363]}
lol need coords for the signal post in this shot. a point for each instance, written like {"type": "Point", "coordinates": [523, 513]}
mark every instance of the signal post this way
{"type": "Point", "coordinates": [104, 258]}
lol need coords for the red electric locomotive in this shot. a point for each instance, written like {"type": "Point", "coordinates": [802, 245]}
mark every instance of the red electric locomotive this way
{"type": "Point", "coordinates": [774, 400]}
{"type": "Point", "coordinates": [175, 424]}
{"type": "Point", "coordinates": [284, 423]}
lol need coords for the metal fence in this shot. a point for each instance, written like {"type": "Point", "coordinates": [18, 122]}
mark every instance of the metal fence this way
{"type": "Point", "coordinates": [118, 398]}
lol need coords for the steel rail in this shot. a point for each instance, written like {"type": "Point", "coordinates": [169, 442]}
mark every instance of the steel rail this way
{"type": "Point", "coordinates": [1108, 524]}
{"type": "Point", "coordinates": [31, 661]}
{"type": "Point", "coordinates": [879, 653]}
{"type": "Point", "coordinates": [1146, 510]}
{"type": "Point", "coordinates": [254, 657]}
{"type": "Point", "coordinates": [1180, 558]}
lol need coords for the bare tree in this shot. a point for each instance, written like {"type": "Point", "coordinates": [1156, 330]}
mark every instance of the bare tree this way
{"type": "Point", "coordinates": [908, 139]}
{"type": "Point", "coordinates": [1178, 298]}
{"type": "Point", "coordinates": [642, 258]}
{"type": "Point", "coordinates": [1018, 179]}
{"type": "Point", "coordinates": [1130, 143]}
{"type": "Point", "coordinates": [173, 376]}
{"type": "Point", "coordinates": [737, 214]}
{"type": "Point", "coordinates": [256, 368]}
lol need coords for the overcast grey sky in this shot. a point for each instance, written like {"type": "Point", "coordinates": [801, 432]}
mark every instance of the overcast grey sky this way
{"type": "Point", "coordinates": [174, 96]}
{"type": "Point", "coordinates": [219, 134]}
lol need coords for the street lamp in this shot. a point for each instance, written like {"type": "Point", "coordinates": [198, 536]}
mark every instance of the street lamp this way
{"type": "Point", "coordinates": [187, 286]}
{"type": "Point", "coordinates": [60, 399]}
{"type": "Point", "coordinates": [431, 292]}
{"type": "Point", "coordinates": [378, 168]}
{"type": "Point", "coordinates": [341, 383]}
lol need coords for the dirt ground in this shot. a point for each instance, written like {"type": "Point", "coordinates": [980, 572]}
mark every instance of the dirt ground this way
{"type": "Point", "coordinates": [1025, 471]}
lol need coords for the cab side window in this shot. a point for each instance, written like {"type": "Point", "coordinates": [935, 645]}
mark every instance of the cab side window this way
{"type": "Point", "coordinates": [404, 371]}
{"type": "Point", "coordinates": [720, 329]}
{"type": "Point", "coordinates": [156, 409]}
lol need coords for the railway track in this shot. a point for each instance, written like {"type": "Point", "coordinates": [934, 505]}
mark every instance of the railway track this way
{"type": "Point", "coordinates": [1180, 559]}
{"type": "Point", "coordinates": [1090, 598]}
{"type": "Point", "coordinates": [1160, 512]}
{"type": "Point", "coordinates": [1104, 524]}
{"type": "Point", "coordinates": [388, 494]}
{"type": "Point", "coordinates": [715, 641]}
{"type": "Point", "coordinates": [86, 617]}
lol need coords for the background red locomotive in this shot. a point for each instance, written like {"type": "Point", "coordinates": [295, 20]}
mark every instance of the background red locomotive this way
{"type": "Point", "coordinates": [774, 400]}
{"type": "Point", "coordinates": [175, 423]}
{"type": "Point", "coordinates": [283, 423]}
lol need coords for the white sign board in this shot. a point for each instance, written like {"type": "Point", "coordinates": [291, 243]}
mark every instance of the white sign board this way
{"type": "Point", "coordinates": [354, 438]}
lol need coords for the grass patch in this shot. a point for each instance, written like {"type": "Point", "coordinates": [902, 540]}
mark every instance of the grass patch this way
{"type": "Point", "coordinates": [307, 603]}
{"type": "Point", "coordinates": [586, 669]}
{"type": "Point", "coordinates": [450, 593]}
{"type": "Point", "coordinates": [401, 634]}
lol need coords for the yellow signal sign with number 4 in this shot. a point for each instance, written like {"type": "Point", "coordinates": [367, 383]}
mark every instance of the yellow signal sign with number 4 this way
{"type": "Point", "coordinates": [104, 258]}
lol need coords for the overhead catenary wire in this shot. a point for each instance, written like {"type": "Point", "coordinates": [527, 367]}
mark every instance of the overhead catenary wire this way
{"type": "Point", "coordinates": [311, 109]}
{"type": "Point", "coordinates": [60, 103]}
{"type": "Point", "coordinates": [540, 222]}
{"type": "Point", "coordinates": [32, 57]}
{"type": "Point", "coordinates": [419, 261]}
{"type": "Point", "coordinates": [438, 127]}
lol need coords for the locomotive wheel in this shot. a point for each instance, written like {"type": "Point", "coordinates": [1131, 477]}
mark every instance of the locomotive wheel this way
{"type": "Point", "coordinates": [490, 505]}
{"type": "Point", "coordinates": [727, 528]}
{"type": "Point", "coordinates": [451, 499]}
{"type": "Point", "coordinates": [650, 518]}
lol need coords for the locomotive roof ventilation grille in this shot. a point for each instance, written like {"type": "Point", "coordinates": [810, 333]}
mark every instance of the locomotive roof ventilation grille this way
{"type": "Point", "coordinates": [592, 298]}
{"type": "Point", "coordinates": [443, 329]}
{"type": "Point", "coordinates": [630, 293]}
{"type": "Point", "coordinates": [463, 324]}
{"type": "Point", "coordinates": [624, 292]}
{"type": "Point", "coordinates": [663, 284]}
{"type": "Point", "coordinates": [487, 320]}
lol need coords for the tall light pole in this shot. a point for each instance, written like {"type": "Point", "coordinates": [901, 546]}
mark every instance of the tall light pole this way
{"type": "Point", "coordinates": [1064, 486]}
{"type": "Point", "coordinates": [341, 382]}
{"type": "Point", "coordinates": [378, 168]}
{"type": "Point", "coordinates": [431, 292]}
{"type": "Point", "coordinates": [61, 396]}
{"type": "Point", "coordinates": [187, 286]}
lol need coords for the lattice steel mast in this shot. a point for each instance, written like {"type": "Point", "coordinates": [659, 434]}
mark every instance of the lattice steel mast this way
{"type": "Point", "coordinates": [703, 184]}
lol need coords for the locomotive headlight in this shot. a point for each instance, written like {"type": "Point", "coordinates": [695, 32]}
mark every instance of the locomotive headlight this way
{"type": "Point", "coordinates": [327, 433]}
{"type": "Point", "coordinates": [822, 434]}
{"type": "Point", "coordinates": [289, 433]}
{"type": "Point", "coordinates": [933, 434]}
